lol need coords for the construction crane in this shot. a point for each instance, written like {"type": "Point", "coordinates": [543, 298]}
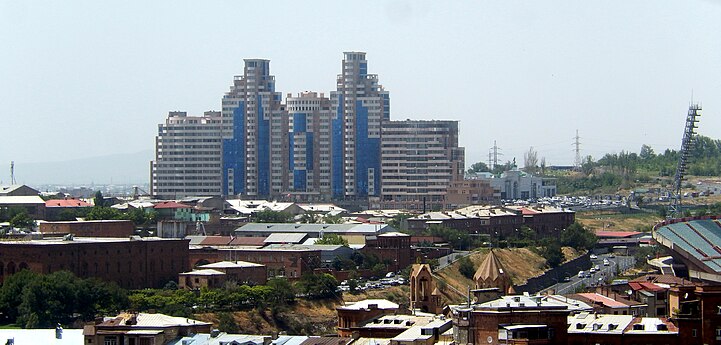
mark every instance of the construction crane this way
{"type": "Point", "coordinates": [684, 155]}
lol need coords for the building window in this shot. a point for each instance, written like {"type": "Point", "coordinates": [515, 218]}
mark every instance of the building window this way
{"type": "Point", "coordinates": [694, 333]}
{"type": "Point", "coordinates": [111, 341]}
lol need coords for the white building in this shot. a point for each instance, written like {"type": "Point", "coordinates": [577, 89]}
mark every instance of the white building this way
{"type": "Point", "coordinates": [187, 156]}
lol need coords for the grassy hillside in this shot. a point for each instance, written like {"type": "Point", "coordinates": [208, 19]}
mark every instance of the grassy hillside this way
{"type": "Point", "coordinates": [305, 317]}
{"type": "Point", "coordinates": [520, 263]}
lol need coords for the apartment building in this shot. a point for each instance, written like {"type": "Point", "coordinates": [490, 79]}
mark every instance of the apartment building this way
{"type": "Point", "coordinates": [309, 146]}
{"type": "Point", "coordinates": [419, 160]}
{"type": "Point", "coordinates": [359, 105]}
{"type": "Point", "coordinates": [187, 156]}
{"type": "Point", "coordinates": [255, 132]}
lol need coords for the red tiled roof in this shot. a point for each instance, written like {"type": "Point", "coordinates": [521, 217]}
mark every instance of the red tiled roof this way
{"type": "Point", "coordinates": [170, 204]}
{"type": "Point", "coordinates": [248, 241]}
{"type": "Point", "coordinates": [67, 203]}
{"type": "Point", "coordinates": [528, 211]}
{"type": "Point", "coordinates": [645, 286]}
{"type": "Point", "coordinates": [617, 234]}
{"type": "Point", "coordinates": [607, 301]}
{"type": "Point", "coordinates": [216, 240]}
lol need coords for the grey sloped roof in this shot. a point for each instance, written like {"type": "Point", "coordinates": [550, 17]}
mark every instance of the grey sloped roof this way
{"type": "Point", "coordinates": [326, 228]}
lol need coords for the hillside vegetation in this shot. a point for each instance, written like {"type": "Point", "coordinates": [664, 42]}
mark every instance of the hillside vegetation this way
{"type": "Point", "coordinates": [520, 263]}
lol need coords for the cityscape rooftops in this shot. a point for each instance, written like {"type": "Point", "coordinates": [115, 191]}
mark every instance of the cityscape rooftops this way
{"type": "Point", "coordinates": [66, 203]}
{"type": "Point", "coordinates": [370, 304]}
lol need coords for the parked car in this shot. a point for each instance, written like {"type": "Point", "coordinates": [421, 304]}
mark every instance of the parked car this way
{"type": "Point", "coordinates": [593, 256]}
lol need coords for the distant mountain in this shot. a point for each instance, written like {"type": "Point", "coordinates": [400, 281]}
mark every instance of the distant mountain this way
{"type": "Point", "coordinates": [127, 168]}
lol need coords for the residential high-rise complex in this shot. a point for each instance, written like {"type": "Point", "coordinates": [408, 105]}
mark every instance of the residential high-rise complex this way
{"type": "Point", "coordinates": [255, 151]}
{"type": "Point", "coordinates": [312, 148]}
{"type": "Point", "coordinates": [309, 145]}
{"type": "Point", "coordinates": [187, 156]}
{"type": "Point", "coordinates": [419, 160]}
{"type": "Point", "coordinates": [360, 105]}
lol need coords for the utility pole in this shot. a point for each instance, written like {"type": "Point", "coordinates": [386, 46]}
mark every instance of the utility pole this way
{"type": "Point", "coordinates": [577, 143]}
{"type": "Point", "coordinates": [494, 154]}
{"type": "Point", "coordinates": [12, 173]}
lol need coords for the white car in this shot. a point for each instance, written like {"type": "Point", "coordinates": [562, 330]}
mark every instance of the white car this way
{"type": "Point", "coordinates": [593, 256]}
{"type": "Point", "coordinates": [606, 262]}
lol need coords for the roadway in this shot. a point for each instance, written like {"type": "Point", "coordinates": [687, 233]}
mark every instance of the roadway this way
{"type": "Point", "coordinates": [605, 274]}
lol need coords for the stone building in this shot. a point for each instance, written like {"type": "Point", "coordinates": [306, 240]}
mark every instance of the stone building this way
{"type": "Point", "coordinates": [491, 274]}
{"type": "Point", "coordinates": [424, 295]}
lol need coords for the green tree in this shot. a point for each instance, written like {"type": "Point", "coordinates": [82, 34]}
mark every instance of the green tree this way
{"type": "Point", "coordinates": [398, 221]}
{"type": "Point", "coordinates": [576, 236]}
{"type": "Point", "coordinates": [478, 167]}
{"type": "Point", "coordinates": [332, 219]}
{"type": "Point", "coordinates": [283, 292]}
{"type": "Point", "coordinates": [226, 323]}
{"type": "Point", "coordinates": [332, 239]}
{"type": "Point", "coordinates": [268, 216]}
{"type": "Point", "coordinates": [551, 251]}
{"type": "Point", "coordinates": [103, 213]}
{"type": "Point", "coordinates": [99, 200]}
{"type": "Point", "coordinates": [317, 286]}
{"type": "Point", "coordinates": [465, 267]}
{"type": "Point", "coordinates": [22, 221]}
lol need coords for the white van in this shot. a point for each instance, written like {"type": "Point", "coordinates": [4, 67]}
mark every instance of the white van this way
{"type": "Point", "coordinates": [581, 274]}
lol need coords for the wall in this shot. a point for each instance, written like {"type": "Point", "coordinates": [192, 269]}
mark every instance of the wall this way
{"type": "Point", "coordinates": [555, 275]}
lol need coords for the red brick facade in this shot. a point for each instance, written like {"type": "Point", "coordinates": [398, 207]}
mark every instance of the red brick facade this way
{"type": "Point", "coordinates": [287, 263]}
{"type": "Point", "coordinates": [91, 228]}
{"type": "Point", "coordinates": [133, 264]}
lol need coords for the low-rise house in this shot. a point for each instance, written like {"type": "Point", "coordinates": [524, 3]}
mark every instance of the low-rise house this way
{"type": "Point", "coordinates": [355, 314]}
{"type": "Point", "coordinates": [217, 274]}
{"type": "Point", "coordinates": [33, 205]}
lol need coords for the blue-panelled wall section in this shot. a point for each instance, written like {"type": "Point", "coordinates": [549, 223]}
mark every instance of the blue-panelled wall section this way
{"type": "Point", "coordinates": [263, 149]}
{"type": "Point", "coordinates": [337, 154]}
{"type": "Point", "coordinates": [367, 154]}
{"type": "Point", "coordinates": [234, 153]}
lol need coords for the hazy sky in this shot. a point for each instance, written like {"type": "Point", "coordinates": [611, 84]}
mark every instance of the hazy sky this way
{"type": "Point", "coordinates": [88, 78]}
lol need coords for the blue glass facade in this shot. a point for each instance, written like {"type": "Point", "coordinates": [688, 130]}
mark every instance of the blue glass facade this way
{"type": "Point", "coordinates": [300, 179]}
{"type": "Point", "coordinates": [337, 151]}
{"type": "Point", "coordinates": [263, 150]}
{"type": "Point", "coordinates": [368, 154]}
{"type": "Point", "coordinates": [234, 153]}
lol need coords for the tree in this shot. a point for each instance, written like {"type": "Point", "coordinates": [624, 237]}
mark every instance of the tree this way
{"type": "Point", "coordinates": [22, 221]}
{"type": "Point", "coordinates": [530, 161]}
{"type": "Point", "coordinates": [308, 218]}
{"type": "Point", "coordinates": [332, 239]}
{"type": "Point", "coordinates": [551, 251]}
{"type": "Point", "coordinates": [332, 219]}
{"type": "Point", "coordinates": [465, 267]}
{"type": "Point", "coordinates": [317, 286]}
{"type": "Point", "coordinates": [478, 167]}
{"type": "Point", "coordinates": [398, 221]}
{"type": "Point", "coordinates": [576, 236]}
{"type": "Point", "coordinates": [226, 323]}
{"type": "Point", "coordinates": [99, 200]}
{"type": "Point", "coordinates": [268, 216]}
{"type": "Point", "coordinates": [646, 152]}
{"type": "Point", "coordinates": [543, 165]}
{"type": "Point", "coordinates": [103, 213]}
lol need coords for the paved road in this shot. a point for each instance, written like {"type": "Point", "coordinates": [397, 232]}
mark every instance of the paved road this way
{"type": "Point", "coordinates": [605, 274]}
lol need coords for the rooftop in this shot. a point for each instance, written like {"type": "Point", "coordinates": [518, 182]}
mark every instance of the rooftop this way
{"type": "Point", "coordinates": [368, 303]}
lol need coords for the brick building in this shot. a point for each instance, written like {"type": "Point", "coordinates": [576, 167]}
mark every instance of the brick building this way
{"type": "Point", "coordinates": [216, 274]}
{"type": "Point", "coordinates": [590, 328]}
{"type": "Point", "coordinates": [355, 314]}
{"type": "Point", "coordinates": [90, 228]}
{"type": "Point", "coordinates": [290, 262]}
{"type": "Point", "coordinates": [697, 312]}
{"type": "Point", "coordinates": [142, 328]}
{"type": "Point", "coordinates": [512, 320]}
{"type": "Point", "coordinates": [392, 247]}
{"type": "Point", "coordinates": [133, 263]}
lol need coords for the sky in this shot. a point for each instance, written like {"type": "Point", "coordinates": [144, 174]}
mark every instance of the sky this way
{"type": "Point", "coordinates": [81, 79]}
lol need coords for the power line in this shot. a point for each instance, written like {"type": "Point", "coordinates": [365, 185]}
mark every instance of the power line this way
{"type": "Point", "coordinates": [577, 144]}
